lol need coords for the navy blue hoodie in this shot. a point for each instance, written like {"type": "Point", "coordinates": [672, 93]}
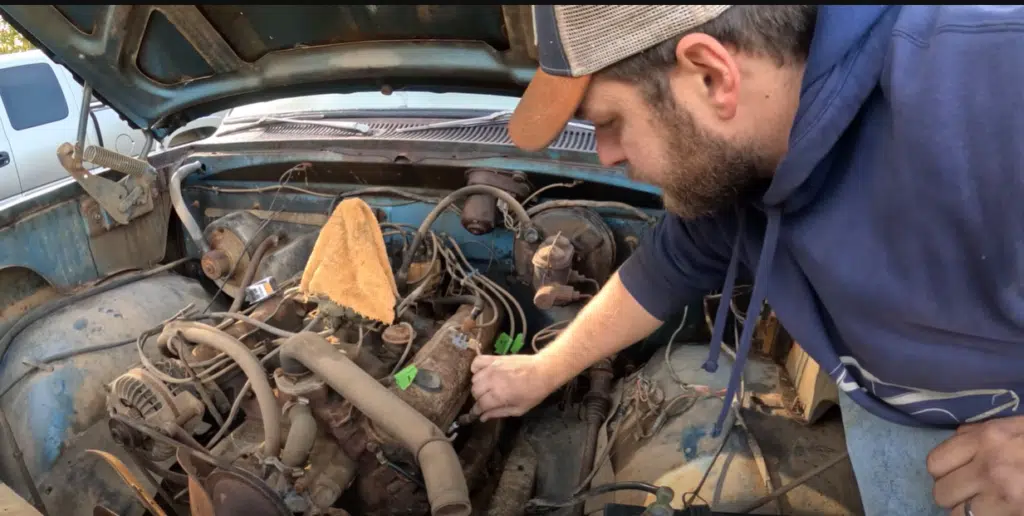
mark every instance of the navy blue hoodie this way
{"type": "Point", "coordinates": [891, 240]}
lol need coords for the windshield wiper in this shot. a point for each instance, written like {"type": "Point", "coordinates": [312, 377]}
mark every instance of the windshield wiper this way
{"type": "Point", "coordinates": [355, 127]}
{"type": "Point", "coordinates": [498, 117]}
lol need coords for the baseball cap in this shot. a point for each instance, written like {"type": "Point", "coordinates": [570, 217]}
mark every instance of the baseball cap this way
{"type": "Point", "coordinates": [575, 41]}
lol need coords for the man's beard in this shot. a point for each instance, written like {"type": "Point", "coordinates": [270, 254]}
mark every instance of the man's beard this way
{"type": "Point", "coordinates": [704, 173]}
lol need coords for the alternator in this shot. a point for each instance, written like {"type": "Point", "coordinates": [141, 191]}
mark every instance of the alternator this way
{"type": "Point", "coordinates": [139, 395]}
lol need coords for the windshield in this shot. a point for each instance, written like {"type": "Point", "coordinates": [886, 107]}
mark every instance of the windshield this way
{"type": "Point", "coordinates": [406, 100]}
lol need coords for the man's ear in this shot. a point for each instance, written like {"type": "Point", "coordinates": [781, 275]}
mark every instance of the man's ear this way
{"type": "Point", "coordinates": [705, 64]}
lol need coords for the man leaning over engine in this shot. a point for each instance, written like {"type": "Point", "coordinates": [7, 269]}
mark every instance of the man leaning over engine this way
{"type": "Point", "coordinates": [866, 165]}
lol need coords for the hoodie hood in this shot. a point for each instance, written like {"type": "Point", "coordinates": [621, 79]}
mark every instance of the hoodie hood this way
{"type": "Point", "coordinates": [843, 68]}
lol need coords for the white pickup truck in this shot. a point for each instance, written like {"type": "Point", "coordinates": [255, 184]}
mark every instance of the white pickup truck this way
{"type": "Point", "coordinates": [40, 110]}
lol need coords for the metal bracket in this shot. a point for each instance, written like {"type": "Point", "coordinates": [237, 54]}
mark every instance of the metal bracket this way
{"type": "Point", "coordinates": [123, 200]}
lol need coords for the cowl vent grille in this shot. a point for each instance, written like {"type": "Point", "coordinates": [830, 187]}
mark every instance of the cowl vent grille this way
{"type": "Point", "coordinates": [571, 139]}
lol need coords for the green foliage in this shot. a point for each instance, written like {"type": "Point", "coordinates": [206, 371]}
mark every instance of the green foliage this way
{"type": "Point", "coordinates": [11, 41]}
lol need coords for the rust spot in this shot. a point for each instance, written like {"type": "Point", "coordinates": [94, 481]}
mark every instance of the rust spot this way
{"type": "Point", "coordinates": [19, 307]}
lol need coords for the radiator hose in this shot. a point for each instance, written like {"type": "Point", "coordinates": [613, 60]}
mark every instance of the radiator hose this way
{"type": "Point", "coordinates": [442, 471]}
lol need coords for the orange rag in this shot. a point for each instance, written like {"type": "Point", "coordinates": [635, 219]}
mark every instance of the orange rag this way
{"type": "Point", "coordinates": [349, 264]}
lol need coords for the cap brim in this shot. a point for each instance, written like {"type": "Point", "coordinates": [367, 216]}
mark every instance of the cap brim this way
{"type": "Point", "coordinates": [547, 105]}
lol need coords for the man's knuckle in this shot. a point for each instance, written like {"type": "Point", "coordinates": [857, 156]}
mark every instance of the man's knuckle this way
{"type": "Point", "coordinates": [992, 435]}
{"type": "Point", "coordinates": [1006, 479]}
{"type": "Point", "coordinates": [933, 462]}
{"type": "Point", "coordinates": [939, 497]}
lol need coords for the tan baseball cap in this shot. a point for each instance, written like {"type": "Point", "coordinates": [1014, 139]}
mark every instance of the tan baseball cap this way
{"type": "Point", "coordinates": [575, 41]}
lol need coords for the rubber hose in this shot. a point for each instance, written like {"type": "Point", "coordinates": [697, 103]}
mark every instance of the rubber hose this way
{"type": "Point", "coordinates": [421, 233]}
{"type": "Point", "coordinates": [250, 270]}
{"type": "Point", "coordinates": [178, 201]}
{"type": "Point", "coordinates": [446, 486]}
{"type": "Point", "coordinates": [301, 435]}
{"type": "Point", "coordinates": [209, 336]}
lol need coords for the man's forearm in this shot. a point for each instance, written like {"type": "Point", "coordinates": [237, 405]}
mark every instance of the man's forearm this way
{"type": "Point", "coordinates": [610, 322]}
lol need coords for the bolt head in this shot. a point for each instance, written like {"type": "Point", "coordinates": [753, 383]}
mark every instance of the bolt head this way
{"type": "Point", "coordinates": [532, 236]}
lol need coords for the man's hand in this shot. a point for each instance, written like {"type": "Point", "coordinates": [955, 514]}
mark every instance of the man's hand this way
{"type": "Point", "coordinates": [507, 386]}
{"type": "Point", "coordinates": [512, 384]}
{"type": "Point", "coordinates": [982, 463]}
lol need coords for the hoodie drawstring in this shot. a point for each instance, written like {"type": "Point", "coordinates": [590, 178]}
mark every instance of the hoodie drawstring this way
{"type": "Point", "coordinates": [757, 297]}
{"type": "Point", "coordinates": [711, 364]}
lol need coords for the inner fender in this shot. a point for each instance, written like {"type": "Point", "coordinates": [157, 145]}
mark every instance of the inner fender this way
{"type": "Point", "coordinates": [56, 415]}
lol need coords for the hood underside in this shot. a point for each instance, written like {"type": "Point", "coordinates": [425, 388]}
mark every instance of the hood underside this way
{"type": "Point", "coordinates": [161, 66]}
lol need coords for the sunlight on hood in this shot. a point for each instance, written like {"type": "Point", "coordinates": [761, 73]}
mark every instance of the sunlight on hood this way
{"type": "Point", "coordinates": [377, 100]}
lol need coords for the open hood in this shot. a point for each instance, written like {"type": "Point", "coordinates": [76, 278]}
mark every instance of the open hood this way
{"type": "Point", "coordinates": [161, 66]}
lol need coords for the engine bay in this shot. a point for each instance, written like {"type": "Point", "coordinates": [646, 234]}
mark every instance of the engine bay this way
{"type": "Point", "coordinates": [289, 366]}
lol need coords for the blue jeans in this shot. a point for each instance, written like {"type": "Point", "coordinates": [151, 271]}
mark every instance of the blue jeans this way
{"type": "Point", "coordinates": [889, 462]}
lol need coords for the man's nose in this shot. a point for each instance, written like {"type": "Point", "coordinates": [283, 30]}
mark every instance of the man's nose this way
{"type": "Point", "coordinates": [609, 152]}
